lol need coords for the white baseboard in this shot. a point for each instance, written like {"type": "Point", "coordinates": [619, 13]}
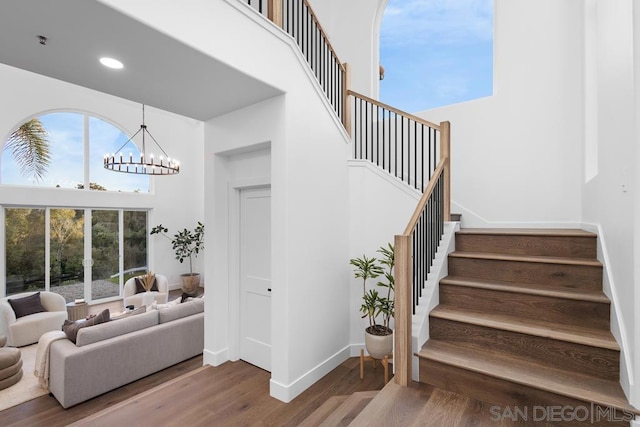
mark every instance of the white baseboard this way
{"type": "Point", "coordinates": [215, 358]}
{"type": "Point", "coordinates": [354, 349]}
{"type": "Point", "coordinates": [287, 393]}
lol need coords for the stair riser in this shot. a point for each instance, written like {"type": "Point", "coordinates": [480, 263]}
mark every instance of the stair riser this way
{"type": "Point", "coordinates": [570, 247]}
{"type": "Point", "coordinates": [504, 394]}
{"type": "Point", "coordinates": [525, 306]}
{"type": "Point", "coordinates": [594, 361]}
{"type": "Point", "coordinates": [554, 275]}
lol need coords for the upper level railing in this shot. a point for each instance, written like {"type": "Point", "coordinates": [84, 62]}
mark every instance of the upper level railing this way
{"type": "Point", "coordinates": [298, 19]}
{"type": "Point", "coordinates": [404, 145]}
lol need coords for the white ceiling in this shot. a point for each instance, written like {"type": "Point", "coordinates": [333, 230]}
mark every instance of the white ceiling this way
{"type": "Point", "coordinates": [159, 71]}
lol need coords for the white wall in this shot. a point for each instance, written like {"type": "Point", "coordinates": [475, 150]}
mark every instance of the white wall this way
{"type": "Point", "coordinates": [26, 94]}
{"type": "Point", "coordinates": [516, 157]}
{"type": "Point", "coordinates": [310, 297]}
{"type": "Point", "coordinates": [380, 207]}
{"type": "Point", "coordinates": [610, 196]}
{"type": "Point", "coordinates": [353, 28]}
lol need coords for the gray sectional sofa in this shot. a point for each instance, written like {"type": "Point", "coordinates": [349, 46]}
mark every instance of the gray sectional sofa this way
{"type": "Point", "coordinates": [112, 354]}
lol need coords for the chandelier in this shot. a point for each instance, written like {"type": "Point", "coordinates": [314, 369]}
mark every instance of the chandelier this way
{"type": "Point", "coordinates": [145, 164]}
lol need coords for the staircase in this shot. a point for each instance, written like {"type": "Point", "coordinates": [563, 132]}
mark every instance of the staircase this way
{"type": "Point", "coordinates": [523, 322]}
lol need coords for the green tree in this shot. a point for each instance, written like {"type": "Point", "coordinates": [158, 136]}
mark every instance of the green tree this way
{"type": "Point", "coordinates": [29, 145]}
{"type": "Point", "coordinates": [25, 248]}
{"type": "Point", "coordinates": [66, 231]}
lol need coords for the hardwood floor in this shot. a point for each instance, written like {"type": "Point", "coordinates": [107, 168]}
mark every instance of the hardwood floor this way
{"type": "Point", "coordinates": [46, 411]}
{"type": "Point", "coordinates": [235, 393]}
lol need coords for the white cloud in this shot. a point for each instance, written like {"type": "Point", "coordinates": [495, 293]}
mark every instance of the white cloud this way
{"type": "Point", "coordinates": [436, 22]}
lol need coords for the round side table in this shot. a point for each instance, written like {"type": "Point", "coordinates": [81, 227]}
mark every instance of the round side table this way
{"type": "Point", "coordinates": [77, 311]}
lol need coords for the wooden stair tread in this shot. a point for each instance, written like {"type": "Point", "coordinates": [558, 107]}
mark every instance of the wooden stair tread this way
{"type": "Point", "coordinates": [529, 258]}
{"type": "Point", "coordinates": [349, 408]}
{"type": "Point", "coordinates": [396, 405]}
{"type": "Point", "coordinates": [542, 232]}
{"type": "Point", "coordinates": [570, 384]}
{"type": "Point", "coordinates": [320, 414]}
{"type": "Point", "coordinates": [592, 295]}
{"type": "Point", "coordinates": [541, 328]}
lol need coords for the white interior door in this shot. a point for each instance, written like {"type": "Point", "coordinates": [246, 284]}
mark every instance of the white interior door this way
{"type": "Point", "coordinates": [255, 276]}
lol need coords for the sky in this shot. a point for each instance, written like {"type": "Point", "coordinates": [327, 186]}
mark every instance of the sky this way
{"type": "Point", "coordinates": [436, 52]}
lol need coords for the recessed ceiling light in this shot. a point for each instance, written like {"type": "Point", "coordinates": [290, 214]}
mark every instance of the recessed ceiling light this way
{"type": "Point", "coordinates": [111, 63]}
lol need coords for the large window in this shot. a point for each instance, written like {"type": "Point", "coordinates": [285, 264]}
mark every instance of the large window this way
{"type": "Point", "coordinates": [74, 145]}
{"type": "Point", "coordinates": [78, 253]}
{"type": "Point", "coordinates": [74, 250]}
{"type": "Point", "coordinates": [436, 52]}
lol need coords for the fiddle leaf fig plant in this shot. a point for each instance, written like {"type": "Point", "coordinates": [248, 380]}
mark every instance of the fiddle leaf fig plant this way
{"type": "Point", "coordinates": [186, 243]}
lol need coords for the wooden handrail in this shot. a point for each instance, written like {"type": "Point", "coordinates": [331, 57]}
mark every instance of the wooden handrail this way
{"type": "Point", "coordinates": [425, 198]}
{"type": "Point", "coordinates": [323, 33]}
{"type": "Point", "coordinates": [395, 110]}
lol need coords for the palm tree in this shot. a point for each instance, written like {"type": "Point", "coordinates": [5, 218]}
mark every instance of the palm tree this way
{"type": "Point", "coordinates": [29, 145]}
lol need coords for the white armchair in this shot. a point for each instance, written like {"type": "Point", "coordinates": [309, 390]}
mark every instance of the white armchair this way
{"type": "Point", "coordinates": [28, 329]}
{"type": "Point", "coordinates": [130, 297]}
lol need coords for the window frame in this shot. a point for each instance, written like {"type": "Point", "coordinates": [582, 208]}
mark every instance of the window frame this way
{"type": "Point", "coordinates": [87, 247]}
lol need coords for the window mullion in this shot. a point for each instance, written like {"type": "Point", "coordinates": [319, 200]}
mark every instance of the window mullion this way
{"type": "Point", "coordinates": [87, 154]}
{"type": "Point", "coordinates": [88, 257]}
{"type": "Point", "coordinates": [121, 249]}
{"type": "Point", "coordinates": [3, 253]}
{"type": "Point", "coordinates": [47, 249]}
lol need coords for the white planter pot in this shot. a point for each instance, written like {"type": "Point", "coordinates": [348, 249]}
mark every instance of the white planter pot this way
{"type": "Point", "coordinates": [378, 346]}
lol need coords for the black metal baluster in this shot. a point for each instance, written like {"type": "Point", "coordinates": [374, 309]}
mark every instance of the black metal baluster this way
{"type": "Point", "coordinates": [395, 143]}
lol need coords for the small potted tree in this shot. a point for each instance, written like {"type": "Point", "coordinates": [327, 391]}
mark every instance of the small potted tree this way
{"type": "Point", "coordinates": [186, 244]}
{"type": "Point", "coordinates": [378, 336]}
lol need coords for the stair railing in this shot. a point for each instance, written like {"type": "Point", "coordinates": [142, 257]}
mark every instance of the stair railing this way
{"type": "Point", "coordinates": [297, 18]}
{"type": "Point", "coordinates": [402, 144]}
{"type": "Point", "coordinates": [415, 251]}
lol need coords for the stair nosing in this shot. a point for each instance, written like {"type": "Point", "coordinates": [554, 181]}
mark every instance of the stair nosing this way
{"type": "Point", "coordinates": [501, 373]}
{"type": "Point", "coordinates": [540, 330]}
{"type": "Point", "coordinates": [527, 258]}
{"type": "Point", "coordinates": [533, 232]}
{"type": "Point", "coordinates": [528, 289]}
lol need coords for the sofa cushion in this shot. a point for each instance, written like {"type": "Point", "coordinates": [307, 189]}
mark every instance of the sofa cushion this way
{"type": "Point", "coordinates": [113, 329]}
{"type": "Point", "coordinates": [27, 305]}
{"type": "Point", "coordinates": [140, 285]}
{"type": "Point", "coordinates": [181, 310]}
{"type": "Point", "coordinates": [71, 329]}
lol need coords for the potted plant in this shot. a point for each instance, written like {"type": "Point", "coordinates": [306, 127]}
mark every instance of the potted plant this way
{"type": "Point", "coordinates": [186, 244]}
{"type": "Point", "coordinates": [378, 336]}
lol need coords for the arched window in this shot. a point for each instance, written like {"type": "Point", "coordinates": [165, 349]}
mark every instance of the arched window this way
{"type": "Point", "coordinates": [74, 144]}
{"type": "Point", "coordinates": [77, 251]}
{"type": "Point", "coordinates": [436, 52]}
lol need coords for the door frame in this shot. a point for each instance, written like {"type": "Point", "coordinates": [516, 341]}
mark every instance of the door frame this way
{"type": "Point", "coordinates": [234, 189]}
